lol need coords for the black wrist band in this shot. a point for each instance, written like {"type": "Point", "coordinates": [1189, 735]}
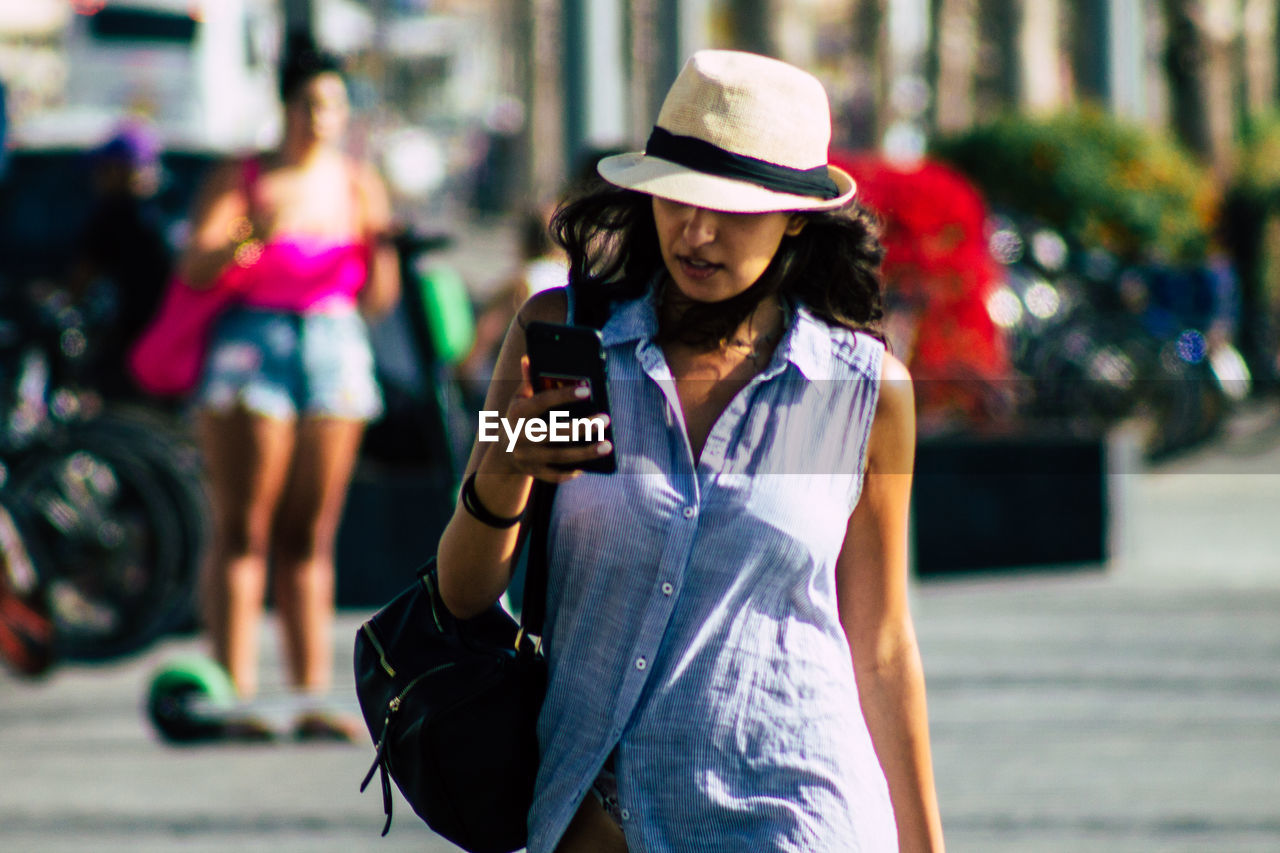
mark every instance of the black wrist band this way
{"type": "Point", "coordinates": [471, 503]}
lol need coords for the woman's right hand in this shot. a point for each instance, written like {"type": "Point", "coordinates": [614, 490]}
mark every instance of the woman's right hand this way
{"type": "Point", "coordinates": [222, 232]}
{"type": "Point", "coordinates": [545, 460]}
{"type": "Point", "coordinates": [475, 560]}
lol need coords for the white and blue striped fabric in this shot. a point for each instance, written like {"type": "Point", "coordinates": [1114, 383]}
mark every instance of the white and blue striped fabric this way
{"type": "Point", "coordinates": [691, 614]}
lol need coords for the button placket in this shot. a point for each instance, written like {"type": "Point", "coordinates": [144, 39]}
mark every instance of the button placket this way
{"type": "Point", "coordinates": [675, 553]}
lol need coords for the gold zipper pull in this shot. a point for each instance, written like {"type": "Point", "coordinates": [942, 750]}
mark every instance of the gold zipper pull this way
{"type": "Point", "coordinates": [377, 646]}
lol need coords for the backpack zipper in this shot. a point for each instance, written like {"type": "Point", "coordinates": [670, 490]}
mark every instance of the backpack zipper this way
{"type": "Point", "coordinates": [394, 704]}
{"type": "Point", "coordinates": [381, 761]}
{"type": "Point", "coordinates": [377, 646]}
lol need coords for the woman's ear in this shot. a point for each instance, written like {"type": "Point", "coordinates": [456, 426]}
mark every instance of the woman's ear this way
{"type": "Point", "coordinates": [795, 224]}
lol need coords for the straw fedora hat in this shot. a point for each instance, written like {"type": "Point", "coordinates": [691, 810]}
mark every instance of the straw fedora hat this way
{"type": "Point", "coordinates": [742, 133]}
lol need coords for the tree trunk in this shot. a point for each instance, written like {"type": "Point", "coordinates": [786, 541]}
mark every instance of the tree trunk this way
{"type": "Point", "coordinates": [999, 82]}
{"type": "Point", "coordinates": [1199, 60]}
{"type": "Point", "coordinates": [867, 108]}
{"type": "Point", "coordinates": [1040, 56]}
{"type": "Point", "coordinates": [545, 100]}
{"type": "Point", "coordinates": [956, 61]}
{"type": "Point", "coordinates": [642, 17]}
{"type": "Point", "coordinates": [1259, 29]}
{"type": "Point", "coordinates": [752, 25]}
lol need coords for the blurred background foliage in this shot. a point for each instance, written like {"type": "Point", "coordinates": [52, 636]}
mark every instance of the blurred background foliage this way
{"type": "Point", "coordinates": [1100, 181]}
{"type": "Point", "coordinates": [1256, 178]}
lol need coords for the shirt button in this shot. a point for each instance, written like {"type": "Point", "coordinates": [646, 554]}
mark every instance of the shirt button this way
{"type": "Point", "coordinates": [667, 589]}
{"type": "Point", "coordinates": [641, 663]}
{"type": "Point", "coordinates": [625, 814]}
{"type": "Point", "coordinates": [690, 512]}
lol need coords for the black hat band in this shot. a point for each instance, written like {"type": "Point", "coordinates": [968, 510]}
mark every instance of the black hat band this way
{"type": "Point", "coordinates": [702, 156]}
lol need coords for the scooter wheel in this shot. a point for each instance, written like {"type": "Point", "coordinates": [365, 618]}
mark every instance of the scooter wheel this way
{"type": "Point", "coordinates": [180, 696]}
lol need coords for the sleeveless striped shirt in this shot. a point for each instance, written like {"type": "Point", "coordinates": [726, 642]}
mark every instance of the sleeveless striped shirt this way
{"type": "Point", "coordinates": [692, 628]}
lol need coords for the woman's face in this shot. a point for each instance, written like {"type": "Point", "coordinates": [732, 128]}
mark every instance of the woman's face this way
{"type": "Point", "coordinates": [319, 109]}
{"type": "Point", "coordinates": [713, 256]}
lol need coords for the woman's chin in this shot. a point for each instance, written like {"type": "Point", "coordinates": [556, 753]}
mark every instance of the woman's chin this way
{"type": "Point", "coordinates": [706, 289]}
{"type": "Point", "coordinates": [700, 295]}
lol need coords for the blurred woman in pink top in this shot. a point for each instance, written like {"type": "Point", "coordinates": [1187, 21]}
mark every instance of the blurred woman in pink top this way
{"type": "Point", "coordinates": [288, 382]}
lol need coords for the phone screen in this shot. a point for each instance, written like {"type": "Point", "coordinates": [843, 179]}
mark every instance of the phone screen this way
{"type": "Point", "coordinates": [549, 381]}
{"type": "Point", "coordinates": [562, 356]}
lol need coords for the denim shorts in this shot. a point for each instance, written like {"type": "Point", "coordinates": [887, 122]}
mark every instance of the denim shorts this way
{"type": "Point", "coordinates": [284, 365]}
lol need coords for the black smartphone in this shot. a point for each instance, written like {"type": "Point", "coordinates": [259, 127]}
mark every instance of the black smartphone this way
{"type": "Point", "coordinates": [561, 355]}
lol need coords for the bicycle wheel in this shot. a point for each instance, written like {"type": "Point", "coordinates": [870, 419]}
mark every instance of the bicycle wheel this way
{"type": "Point", "coordinates": [26, 629]}
{"type": "Point", "coordinates": [173, 459]}
{"type": "Point", "coordinates": [114, 546]}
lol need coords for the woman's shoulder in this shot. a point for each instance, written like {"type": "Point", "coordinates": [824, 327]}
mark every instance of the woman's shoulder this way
{"type": "Point", "coordinates": [546, 306]}
{"type": "Point", "coordinates": [363, 172]}
{"type": "Point", "coordinates": [894, 370]}
{"type": "Point", "coordinates": [229, 173]}
{"type": "Point", "coordinates": [896, 411]}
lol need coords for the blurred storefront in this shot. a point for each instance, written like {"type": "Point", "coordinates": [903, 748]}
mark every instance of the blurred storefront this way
{"type": "Point", "coordinates": [549, 80]}
{"type": "Point", "coordinates": [32, 68]}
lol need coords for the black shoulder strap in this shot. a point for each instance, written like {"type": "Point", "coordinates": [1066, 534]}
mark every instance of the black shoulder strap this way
{"type": "Point", "coordinates": [534, 606]}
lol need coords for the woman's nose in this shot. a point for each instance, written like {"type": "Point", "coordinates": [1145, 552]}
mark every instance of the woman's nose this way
{"type": "Point", "coordinates": [699, 227]}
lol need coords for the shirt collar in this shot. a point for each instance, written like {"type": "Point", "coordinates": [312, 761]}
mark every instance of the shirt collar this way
{"type": "Point", "coordinates": [633, 320]}
{"type": "Point", "coordinates": [807, 343]}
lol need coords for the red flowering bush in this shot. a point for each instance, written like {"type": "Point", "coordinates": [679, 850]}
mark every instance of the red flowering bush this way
{"type": "Point", "coordinates": [938, 274]}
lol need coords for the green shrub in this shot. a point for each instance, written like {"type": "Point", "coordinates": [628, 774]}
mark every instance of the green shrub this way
{"type": "Point", "coordinates": [1101, 182]}
{"type": "Point", "coordinates": [1257, 174]}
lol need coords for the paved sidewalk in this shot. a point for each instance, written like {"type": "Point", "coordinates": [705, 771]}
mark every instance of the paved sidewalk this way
{"type": "Point", "coordinates": [1133, 709]}
{"type": "Point", "coordinates": [83, 772]}
{"type": "Point", "coordinates": [1136, 709]}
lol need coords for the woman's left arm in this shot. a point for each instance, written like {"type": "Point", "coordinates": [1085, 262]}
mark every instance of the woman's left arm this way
{"type": "Point", "coordinates": [382, 289]}
{"type": "Point", "coordinates": [872, 583]}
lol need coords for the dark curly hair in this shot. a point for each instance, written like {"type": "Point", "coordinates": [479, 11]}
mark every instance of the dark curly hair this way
{"type": "Point", "coordinates": [831, 266]}
{"type": "Point", "coordinates": [302, 61]}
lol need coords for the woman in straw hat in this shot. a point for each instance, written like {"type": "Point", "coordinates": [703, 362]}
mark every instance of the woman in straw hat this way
{"type": "Point", "coordinates": [732, 664]}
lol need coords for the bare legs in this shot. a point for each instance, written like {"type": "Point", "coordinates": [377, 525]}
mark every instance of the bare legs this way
{"type": "Point", "coordinates": [247, 462]}
{"type": "Point", "coordinates": [277, 489]}
{"type": "Point", "coordinates": [305, 531]}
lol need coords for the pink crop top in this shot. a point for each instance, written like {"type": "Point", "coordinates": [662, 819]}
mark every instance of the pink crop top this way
{"type": "Point", "coordinates": [300, 272]}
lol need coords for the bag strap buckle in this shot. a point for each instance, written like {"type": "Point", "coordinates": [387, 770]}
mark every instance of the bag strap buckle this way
{"type": "Point", "coordinates": [536, 639]}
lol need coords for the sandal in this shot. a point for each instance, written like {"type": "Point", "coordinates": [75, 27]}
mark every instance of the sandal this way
{"type": "Point", "coordinates": [248, 728]}
{"type": "Point", "coordinates": [327, 726]}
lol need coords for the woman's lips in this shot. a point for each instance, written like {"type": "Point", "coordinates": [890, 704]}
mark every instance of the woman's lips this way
{"type": "Point", "coordinates": [696, 269]}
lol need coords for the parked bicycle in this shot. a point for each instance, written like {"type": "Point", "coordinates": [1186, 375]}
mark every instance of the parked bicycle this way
{"type": "Point", "coordinates": [105, 502]}
{"type": "Point", "coordinates": [112, 508]}
{"type": "Point", "coordinates": [1100, 341]}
